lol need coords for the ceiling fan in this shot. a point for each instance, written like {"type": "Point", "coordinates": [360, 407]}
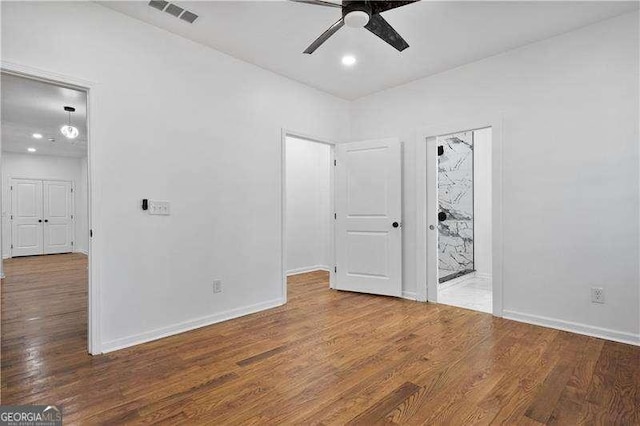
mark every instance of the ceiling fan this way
{"type": "Point", "coordinates": [361, 13]}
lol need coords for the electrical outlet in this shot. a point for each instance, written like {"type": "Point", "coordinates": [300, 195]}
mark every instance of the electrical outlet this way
{"type": "Point", "coordinates": [217, 286]}
{"type": "Point", "coordinates": [597, 295]}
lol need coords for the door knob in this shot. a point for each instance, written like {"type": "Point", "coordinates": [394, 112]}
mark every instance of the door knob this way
{"type": "Point", "coordinates": [442, 216]}
{"type": "Point", "coordinates": [395, 224]}
{"type": "Point", "coordinates": [432, 227]}
{"type": "Point", "coordinates": [46, 220]}
{"type": "Point", "coordinates": [40, 220]}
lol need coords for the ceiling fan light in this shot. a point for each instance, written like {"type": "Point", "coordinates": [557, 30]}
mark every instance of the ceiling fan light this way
{"type": "Point", "coordinates": [356, 19]}
{"type": "Point", "coordinates": [69, 132]}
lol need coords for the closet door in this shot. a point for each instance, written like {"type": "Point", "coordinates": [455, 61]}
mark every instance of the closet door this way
{"type": "Point", "coordinates": [58, 219]}
{"type": "Point", "coordinates": [26, 217]}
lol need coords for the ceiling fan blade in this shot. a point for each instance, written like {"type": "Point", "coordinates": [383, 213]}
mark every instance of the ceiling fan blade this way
{"type": "Point", "coordinates": [325, 36]}
{"type": "Point", "coordinates": [318, 3]}
{"type": "Point", "coordinates": [380, 27]}
{"type": "Point", "coordinates": [381, 6]}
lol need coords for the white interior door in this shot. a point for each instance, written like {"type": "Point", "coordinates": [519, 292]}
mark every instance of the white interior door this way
{"type": "Point", "coordinates": [368, 217]}
{"type": "Point", "coordinates": [58, 217]}
{"type": "Point", "coordinates": [26, 212]}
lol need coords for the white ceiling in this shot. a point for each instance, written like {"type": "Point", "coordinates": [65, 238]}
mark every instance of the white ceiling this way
{"type": "Point", "coordinates": [441, 35]}
{"type": "Point", "coordinates": [30, 106]}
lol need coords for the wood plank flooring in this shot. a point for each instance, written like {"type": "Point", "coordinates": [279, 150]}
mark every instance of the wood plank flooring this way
{"type": "Point", "coordinates": [327, 357]}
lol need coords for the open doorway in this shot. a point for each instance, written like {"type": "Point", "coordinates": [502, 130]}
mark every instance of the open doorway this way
{"type": "Point", "coordinates": [461, 194]}
{"type": "Point", "coordinates": [308, 213]}
{"type": "Point", "coordinates": [45, 216]}
{"type": "Point", "coordinates": [364, 215]}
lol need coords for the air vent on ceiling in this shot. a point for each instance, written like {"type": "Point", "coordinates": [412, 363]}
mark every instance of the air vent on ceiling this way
{"type": "Point", "coordinates": [188, 16]}
{"type": "Point", "coordinates": [174, 10]}
{"type": "Point", "coordinates": [158, 4]}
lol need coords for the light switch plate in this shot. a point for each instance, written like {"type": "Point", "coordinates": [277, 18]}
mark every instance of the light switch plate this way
{"type": "Point", "coordinates": [159, 208]}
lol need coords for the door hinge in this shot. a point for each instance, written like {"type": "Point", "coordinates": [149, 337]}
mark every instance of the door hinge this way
{"type": "Point", "coordinates": [335, 162]}
{"type": "Point", "coordinates": [71, 189]}
{"type": "Point", "coordinates": [11, 245]}
{"type": "Point", "coordinates": [335, 269]}
{"type": "Point", "coordinates": [90, 233]}
{"type": "Point", "coordinates": [11, 187]}
{"type": "Point", "coordinates": [11, 217]}
{"type": "Point", "coordinates": [71, 242]}
{"type": "Point", "coordinates": [440, 150]}
{"type": "Point", "coordinates": [335, 216]}
{"type": "Point", "coordinates": [71, 216]}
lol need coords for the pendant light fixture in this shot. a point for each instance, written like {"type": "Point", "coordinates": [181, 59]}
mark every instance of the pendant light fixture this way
{"type": "Point", "coordinates": [69, 131]}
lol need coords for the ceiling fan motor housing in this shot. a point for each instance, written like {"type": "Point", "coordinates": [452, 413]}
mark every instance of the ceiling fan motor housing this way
{"type": "Point", "coordinates": [356, 14]}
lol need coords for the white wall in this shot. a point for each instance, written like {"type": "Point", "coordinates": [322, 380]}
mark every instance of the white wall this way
{"type": "Point", "coordinates": [181, 122]}
{"type": "Point", "coordinates": [570, 168]}
{"type": "Point", "coordinates": [45, 167]}
{"type": "Point", "coordinates": [82, 203]}
{"type": "Point", "coordinates": [482, 201]}
{"type": "Point", "coordinates": [308, 205]}
{"type": "Point", "coordinates": [177, 121]}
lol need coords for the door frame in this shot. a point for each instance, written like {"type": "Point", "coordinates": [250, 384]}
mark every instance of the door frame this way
{"type": "Point", "coordinates": [428, 291]}
{"type": "Point", "coordinates": [283, 204]}
{"type": "Point", "coordinates": [94, 249]}
{"type": "Point", "coordinates": [11, 178]}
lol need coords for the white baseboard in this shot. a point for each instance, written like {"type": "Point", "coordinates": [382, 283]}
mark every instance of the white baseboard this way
{"type": "Point", "coordinates": [305, 269]}
{"type": "Point", "coordinates": [409, 295]}
{"type": "Point", "coordinates": [171, 330]}
{"type": "Point", "coordinates": [85, 252]}
{"type": "Point", "coordinates": [574, 327]}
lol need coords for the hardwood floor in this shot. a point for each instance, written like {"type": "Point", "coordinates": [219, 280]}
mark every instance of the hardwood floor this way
{"type": "Point", "coordinates": [326, 357]}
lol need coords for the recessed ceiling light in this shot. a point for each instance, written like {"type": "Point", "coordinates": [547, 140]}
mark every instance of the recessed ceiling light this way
{"type": "Point", "coordinates": [348, 60]}
{"type": "Point", "coordinates": [31, 149]}
{"type": "Point", "coordinates": [37, 135]}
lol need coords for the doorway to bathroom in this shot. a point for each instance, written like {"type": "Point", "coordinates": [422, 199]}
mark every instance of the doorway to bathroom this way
{"type": "Point", "coordinates": [460, 193]}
